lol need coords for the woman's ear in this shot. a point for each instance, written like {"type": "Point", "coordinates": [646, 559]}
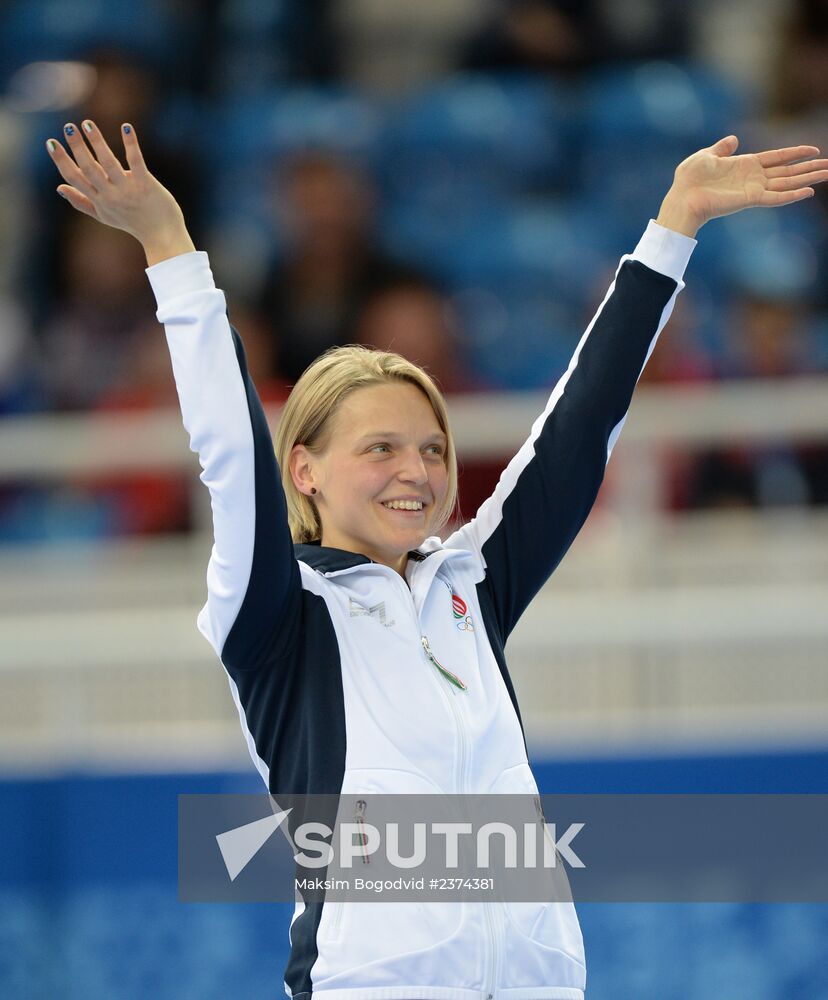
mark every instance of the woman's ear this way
{"type": "Point", "coordinates": [300, 464]}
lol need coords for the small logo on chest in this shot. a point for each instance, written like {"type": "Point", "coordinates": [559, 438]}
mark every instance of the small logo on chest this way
{"type": "Point", "coordinates": [377, 611]}
{"type": "Point", "coordinates": [460, 611]}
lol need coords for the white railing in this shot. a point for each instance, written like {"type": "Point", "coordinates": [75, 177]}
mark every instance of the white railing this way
{"type": "Point", "coordinates": [50, 446]}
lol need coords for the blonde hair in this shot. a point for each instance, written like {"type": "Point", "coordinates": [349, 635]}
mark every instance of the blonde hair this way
{"type": "Point", "coordinates": [306, 420]}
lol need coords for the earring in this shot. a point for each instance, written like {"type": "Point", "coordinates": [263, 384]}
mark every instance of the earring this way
{"type": "Point", "coordinates": [313, 490]}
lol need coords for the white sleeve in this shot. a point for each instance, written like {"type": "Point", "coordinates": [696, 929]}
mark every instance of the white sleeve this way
{"type": "Point", "coordinates": [214, 406]}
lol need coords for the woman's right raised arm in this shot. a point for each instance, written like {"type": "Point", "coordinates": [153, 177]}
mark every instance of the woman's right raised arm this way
{"type": "Point", "coordinates": [254, 590]}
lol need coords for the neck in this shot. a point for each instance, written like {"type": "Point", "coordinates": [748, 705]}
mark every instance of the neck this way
{"type": "Point", "coordinates": [398, 565]}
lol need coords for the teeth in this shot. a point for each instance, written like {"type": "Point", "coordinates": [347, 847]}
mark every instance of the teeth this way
{"type": "Point", "coordinates": [404, 504]}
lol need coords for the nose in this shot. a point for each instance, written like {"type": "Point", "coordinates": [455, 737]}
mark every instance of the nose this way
{"type": "Point", "coordinates": [412, 468]}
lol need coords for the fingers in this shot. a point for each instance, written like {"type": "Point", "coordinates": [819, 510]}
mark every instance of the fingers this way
{"type": "Point", "coordinates": [797, 169]}
{"type": "Point", "coordinates": [77, 200]}
{"type": "Point", "coordinates": [87, 177]}
{"type": "Point", "coordinates": [89, 166]}
{"type": "Point", "coordinates": [773, 199]}
{"type": "Point", "coordinates": [106, 158]}
{"type": "Point", "coordinates": [797, 181]}
{"type": "Point", "coordinates": [779, 157]}
{"type": "Point", "coordinates": [135, 158]}
{"type": "Point", "coordinates": [69, 170]}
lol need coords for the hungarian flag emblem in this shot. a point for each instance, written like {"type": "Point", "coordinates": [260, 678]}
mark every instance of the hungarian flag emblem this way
{"type": "Point", "coordinates": [458, 606]}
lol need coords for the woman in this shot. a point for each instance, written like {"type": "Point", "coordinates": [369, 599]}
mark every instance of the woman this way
{"type": "Point", "coordinates": [364, 654]}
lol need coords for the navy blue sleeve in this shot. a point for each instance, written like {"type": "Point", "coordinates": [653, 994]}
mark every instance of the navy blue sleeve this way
{"type": "Point", "coordinates": [268, 621]}
{"type": "Point", "coordinates": [546, 492]}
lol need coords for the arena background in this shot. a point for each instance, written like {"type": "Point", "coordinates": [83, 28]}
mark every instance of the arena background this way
{"type": "Point", "coordinates": [456, 180]}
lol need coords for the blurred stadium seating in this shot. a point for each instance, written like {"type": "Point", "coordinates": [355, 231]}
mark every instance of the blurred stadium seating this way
{"type": "Point", "coordinates": [40, 30]}
{"type": "Point", "coordinates": [673, 650]}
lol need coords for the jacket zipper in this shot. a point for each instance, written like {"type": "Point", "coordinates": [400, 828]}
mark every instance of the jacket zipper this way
{"type": "Point", "coordinates": [361, 806]}
{"type": "Point", "coordinates": [455, 711]}
{"type": "Point", "coordinates": [457, 683]}
{"type": "Point", "coordinates": [337, 907]}
{"type": "Point", "coordinates": [490, 925]}
{"type": "Point", "coordinates": [444, 671]}
{"type": "Point", "coordinates": [336, 917]}
{"type": "Point", "coordinates": [463, 757]}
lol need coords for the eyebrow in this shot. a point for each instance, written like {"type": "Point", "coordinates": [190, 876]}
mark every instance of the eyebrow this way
{"type": "Point", "coordinates": [391, 436]}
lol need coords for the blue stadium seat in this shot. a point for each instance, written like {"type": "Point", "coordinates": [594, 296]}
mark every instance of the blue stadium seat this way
{"type": "Point", "coordinates": [33, 30]}
{"type": "Point", "coordinates": [285, 120]}
{"type": "Point", "coordinates": [509, 131]}
{"type": "Point", "coordinates": [641, 121]}
{"type": "Point", "coordinates": [678, 102]}
{"type": "Point", "coordinates": [264, 43]}
{"type": "Point", "coordinates": [517, 334]}
{"type": "Point", "coordinates": [525, 275]}
{"type": "Point", "coordinates": [776, 254]}
{"type": "Point", "coordinates": [567, 243]}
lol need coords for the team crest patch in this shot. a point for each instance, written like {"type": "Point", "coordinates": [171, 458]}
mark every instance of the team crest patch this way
{"type": "Point", "coordinates": [461, 612]}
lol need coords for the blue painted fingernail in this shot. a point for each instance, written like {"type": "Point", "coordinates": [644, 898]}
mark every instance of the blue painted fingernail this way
{"type": "Point", "coordinates": [127, 129]}
{"type": "Point", "coordinates": [69, 129]}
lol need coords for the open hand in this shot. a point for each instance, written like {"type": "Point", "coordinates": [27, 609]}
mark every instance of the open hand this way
{"type": "Point", "coordinates": [131, 200]}
{"type": "Point", "coordinates": [714, 182]}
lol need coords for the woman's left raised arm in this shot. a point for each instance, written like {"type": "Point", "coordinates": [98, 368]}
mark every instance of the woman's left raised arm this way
{"type": "Point", "coordinates": [523, 530]}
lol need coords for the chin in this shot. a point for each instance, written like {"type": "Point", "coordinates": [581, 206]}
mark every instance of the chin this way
{"type": "Point", "coordinates": [406, 541]}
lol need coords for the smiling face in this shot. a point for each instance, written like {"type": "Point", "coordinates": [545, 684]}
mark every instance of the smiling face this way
{"type": "Point", "coordinates": [384, 446]}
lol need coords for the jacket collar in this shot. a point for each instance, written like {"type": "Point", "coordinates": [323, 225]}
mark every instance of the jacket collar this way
{"type": "Point", "coordinates": [328, 560]}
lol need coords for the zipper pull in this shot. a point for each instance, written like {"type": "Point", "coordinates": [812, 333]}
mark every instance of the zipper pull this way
{"type": "Point", "coordinates": [361, 806]}
{"type": "Point", "coordinates": [449, 676]}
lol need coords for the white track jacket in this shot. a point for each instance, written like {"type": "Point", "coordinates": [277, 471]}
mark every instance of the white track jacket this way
{"type": "Point", "coordinates": [324, 648]}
